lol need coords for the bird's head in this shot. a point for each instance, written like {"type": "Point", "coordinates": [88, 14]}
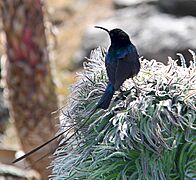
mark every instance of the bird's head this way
{"type": "Point", "coordinates": [118, 37]}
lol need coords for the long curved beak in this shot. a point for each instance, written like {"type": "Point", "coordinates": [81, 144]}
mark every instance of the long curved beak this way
{"type": "Point", "coordinates": [102, 28]}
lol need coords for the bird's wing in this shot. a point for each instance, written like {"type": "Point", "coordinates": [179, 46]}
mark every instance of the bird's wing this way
{"type": "Point", "coordinates": [111, 69]}
{"type": "Point", "coordinates": [127, 67]}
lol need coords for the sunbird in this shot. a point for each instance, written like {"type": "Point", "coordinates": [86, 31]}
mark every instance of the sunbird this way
{"type": "Point", "coordinates": [122, 62]}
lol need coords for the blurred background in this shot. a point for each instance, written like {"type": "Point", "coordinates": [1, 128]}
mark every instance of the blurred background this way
{"type": "Point", "coordinates": [44, 43]}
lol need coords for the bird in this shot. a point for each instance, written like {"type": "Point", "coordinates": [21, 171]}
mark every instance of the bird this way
{"type": "Point", "coordinates": [121, 62]}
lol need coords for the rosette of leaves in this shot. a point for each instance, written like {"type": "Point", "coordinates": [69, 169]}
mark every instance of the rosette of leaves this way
{"type": "Point", "coordinates": [148, 132]}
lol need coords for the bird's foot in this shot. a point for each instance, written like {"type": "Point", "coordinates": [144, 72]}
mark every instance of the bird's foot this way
{"type": "Point", "coordinates": [123, 94]}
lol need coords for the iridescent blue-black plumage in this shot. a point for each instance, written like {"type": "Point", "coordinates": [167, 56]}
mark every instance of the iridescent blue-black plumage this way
{"type": "Point", "coordinates": [122, 62]}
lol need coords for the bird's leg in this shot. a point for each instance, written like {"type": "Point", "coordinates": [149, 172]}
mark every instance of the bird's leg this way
{"type": "Point", "coordinates": [121, 91]}
{"type": "Point", "coordinates": [122, 94]}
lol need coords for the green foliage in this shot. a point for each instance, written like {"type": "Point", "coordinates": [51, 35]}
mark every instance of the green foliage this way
{"type": "Point", "coordinates": [147, 133]}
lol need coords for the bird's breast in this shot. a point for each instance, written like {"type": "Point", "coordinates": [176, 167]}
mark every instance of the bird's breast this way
{"type": "Point", "coordinates": [115, 54]}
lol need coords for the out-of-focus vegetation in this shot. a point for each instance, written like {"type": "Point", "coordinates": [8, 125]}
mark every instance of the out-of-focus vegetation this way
{"type": "Point", "coordinates": [29, 82]}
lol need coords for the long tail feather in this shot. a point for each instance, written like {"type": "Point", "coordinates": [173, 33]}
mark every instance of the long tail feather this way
{"type": "Point", "coordinates": [52, 139]}
{"type": "Point", "coordinates": [103, 104]}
